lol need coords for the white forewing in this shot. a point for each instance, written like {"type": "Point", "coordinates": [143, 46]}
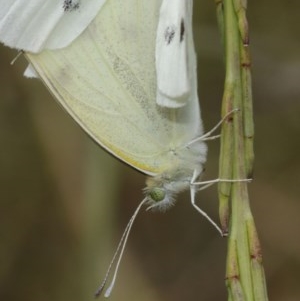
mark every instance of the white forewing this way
{"type": "Point", "coordinates": [106, 80]}
{"type": "Point", "coordinates": [174, 54]}
{"type": "Point", "coordinates": [34, 25]}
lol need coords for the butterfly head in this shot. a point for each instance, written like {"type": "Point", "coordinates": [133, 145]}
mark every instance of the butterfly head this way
{"type": "Point", "coordinates": [162, 189]}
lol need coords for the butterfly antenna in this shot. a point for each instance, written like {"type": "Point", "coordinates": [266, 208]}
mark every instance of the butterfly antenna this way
{"type": "Point", "coordinates": [120, 251]}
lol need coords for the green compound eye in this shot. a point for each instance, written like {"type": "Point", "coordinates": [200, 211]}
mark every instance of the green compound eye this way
{"type": "Point", "coordinates": [157, 194]}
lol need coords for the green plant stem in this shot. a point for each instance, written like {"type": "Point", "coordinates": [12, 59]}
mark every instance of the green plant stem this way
{"type": "Point", "coordinates": [225, 162]}
{"type": "Point", "coordinates": [245, 278]}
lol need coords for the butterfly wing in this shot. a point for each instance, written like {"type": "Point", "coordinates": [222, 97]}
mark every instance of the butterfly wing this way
{"type": "Point", "coordinates": [33, 25]}
{"type": "Point", "coordinates": [172, 40]}
{"type": "Point", "coordinates": [106, 80]}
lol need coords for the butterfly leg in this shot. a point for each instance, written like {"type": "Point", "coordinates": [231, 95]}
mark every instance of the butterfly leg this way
{"type": "Point", "coordinates": [193, 190]}
{"type": "Point", "coordinates": [207, 135]}
{"type": "Point", "coordinates": [211, 182]}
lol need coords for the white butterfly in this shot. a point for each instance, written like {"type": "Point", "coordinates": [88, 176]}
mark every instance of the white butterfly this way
{"type": "Point", "coordinates": [115, 79]}
{"type": "Point", "coordinates": [127, 76]}
{"type": "Point", "coordinates": [106, 80]}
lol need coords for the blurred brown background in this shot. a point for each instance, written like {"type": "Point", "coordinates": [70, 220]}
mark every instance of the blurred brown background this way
{"type": "Point", "coordinates": [64, 202]}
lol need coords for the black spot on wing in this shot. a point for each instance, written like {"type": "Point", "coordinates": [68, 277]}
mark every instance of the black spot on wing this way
{"type": "Point", "coordinates": [169, 34]}
{"type": "Point", "coordinates": [71, 5]}
{"type": "Point", "coordinates": [182, 30]}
